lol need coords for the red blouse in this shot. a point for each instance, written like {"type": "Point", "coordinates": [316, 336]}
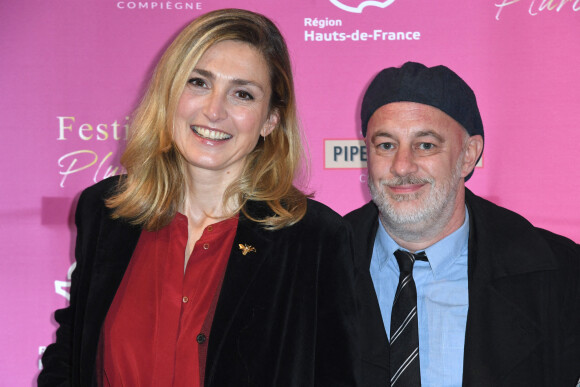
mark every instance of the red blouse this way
{"type": "Point", "coordinates": [157, 329]}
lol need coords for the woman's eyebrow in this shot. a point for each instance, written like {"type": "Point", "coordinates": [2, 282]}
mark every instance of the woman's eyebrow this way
{"type": "Point", "coordinates": [235, 81]}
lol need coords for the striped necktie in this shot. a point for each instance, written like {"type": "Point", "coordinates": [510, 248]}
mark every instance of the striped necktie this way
{"type": "Point", "coordinates": [405, 370]}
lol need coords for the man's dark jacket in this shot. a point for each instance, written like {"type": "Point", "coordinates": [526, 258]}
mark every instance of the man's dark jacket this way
{"type": "Point", "coordinates": [286, 313]}
{"type": "Point", "coordinates": [523, 323]}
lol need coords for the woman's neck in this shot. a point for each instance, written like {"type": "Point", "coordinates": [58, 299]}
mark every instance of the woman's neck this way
{"type": "Point", "coordinates": [204, 196]}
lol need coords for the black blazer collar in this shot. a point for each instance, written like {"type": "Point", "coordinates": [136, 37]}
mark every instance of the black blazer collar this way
{"type": "Point", "coordinates": [240, 274]}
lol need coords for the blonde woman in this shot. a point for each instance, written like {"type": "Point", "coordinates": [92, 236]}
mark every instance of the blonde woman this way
{"type": "Point", "coordinates": [204, 265]}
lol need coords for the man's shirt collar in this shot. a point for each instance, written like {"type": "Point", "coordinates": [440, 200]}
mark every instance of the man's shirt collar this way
{"type": "Point", "coordinates": [441, 255]}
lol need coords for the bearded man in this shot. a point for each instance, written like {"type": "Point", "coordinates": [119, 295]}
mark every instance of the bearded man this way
{"type": "Point", "coordinates": [453, 290]}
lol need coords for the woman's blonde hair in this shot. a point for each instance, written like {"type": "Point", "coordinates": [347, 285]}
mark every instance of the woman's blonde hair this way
{"type": "Point", "coordinates": [154, 187]}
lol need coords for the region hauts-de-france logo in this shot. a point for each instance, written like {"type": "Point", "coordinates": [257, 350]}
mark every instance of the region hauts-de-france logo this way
{"type": "Point", "coordinates": [357, 6]}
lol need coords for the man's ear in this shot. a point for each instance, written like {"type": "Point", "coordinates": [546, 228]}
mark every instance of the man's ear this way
{"type": "Point", "coordinates": [472, 152]}
{"type": "Point", "coordinates": [270, 123]}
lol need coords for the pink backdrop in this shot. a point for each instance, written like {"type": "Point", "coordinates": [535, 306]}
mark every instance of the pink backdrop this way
{"type": "Point", "coordinates": [72, 71]}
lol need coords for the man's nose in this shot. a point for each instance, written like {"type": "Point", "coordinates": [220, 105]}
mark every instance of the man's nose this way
{"type": "Point", "coordinates": [403, 162]}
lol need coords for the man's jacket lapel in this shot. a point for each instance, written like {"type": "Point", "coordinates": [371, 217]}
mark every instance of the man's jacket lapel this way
{"type": "Point", "coordinates": [508, 297]}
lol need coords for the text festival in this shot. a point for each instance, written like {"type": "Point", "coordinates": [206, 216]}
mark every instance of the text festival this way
{"type": "Point", "coordinates": [85, 159]}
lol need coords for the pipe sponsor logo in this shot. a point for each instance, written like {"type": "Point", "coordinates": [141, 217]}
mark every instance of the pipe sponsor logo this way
{"type": "Point", "coordinates": [345, 154]}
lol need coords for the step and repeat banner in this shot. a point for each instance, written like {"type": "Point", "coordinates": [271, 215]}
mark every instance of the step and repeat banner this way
{"type": "Point", "coordinates": [72, 71]}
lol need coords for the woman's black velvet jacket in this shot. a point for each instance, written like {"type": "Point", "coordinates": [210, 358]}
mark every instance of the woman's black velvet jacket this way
{"type": "Point", "coordinates": [285, 315]}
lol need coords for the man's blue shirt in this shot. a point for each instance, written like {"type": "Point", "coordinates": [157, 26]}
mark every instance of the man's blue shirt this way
{"type": "Point", "coordinates": [442, 301]}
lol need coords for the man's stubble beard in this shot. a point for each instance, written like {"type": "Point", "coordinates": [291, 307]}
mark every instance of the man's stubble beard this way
{"type": "Point", "coordinates": [431, 214]}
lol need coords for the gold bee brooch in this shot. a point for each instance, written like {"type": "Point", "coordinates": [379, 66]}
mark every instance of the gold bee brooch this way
{"type": "Point", "coordinates": [246, 249]}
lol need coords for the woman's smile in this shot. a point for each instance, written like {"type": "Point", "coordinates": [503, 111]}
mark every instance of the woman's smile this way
{"type": "Point", "coordinates": [210, 134]}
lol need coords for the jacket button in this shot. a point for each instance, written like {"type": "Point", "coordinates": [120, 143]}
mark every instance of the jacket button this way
{"type": "Point", "coordinates": [200, 338]}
